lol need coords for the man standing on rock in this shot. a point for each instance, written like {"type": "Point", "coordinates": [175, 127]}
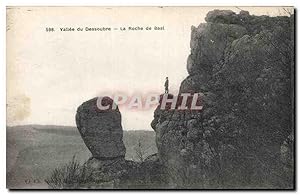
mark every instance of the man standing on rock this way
{"type": "Point", "coordinates": [167, 85]}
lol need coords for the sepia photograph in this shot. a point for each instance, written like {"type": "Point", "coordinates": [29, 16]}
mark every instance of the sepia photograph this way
{"type": "Point", "coordinates": [150, 97]}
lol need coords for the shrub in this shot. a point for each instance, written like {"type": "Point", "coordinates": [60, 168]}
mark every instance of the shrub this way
{"type": "Point", "coordinates": [71, 175]}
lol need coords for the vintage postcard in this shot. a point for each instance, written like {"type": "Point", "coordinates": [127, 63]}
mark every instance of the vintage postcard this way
{"type": "Point", "coordinates": [150, 98]}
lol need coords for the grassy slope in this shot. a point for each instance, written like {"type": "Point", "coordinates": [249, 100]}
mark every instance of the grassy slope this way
{"type": "Point", "coordinates": [33, 151]}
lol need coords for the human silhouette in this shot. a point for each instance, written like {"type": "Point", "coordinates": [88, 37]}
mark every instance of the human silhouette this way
{"type": "Point", "coordinates": [167, 85]}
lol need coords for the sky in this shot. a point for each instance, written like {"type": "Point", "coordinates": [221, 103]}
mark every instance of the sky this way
{"type": "Point", "coordinates": [49, 74]}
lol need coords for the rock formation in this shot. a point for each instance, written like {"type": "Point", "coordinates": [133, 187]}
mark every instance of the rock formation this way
{"type": "Point", "coordinates": [242, 138]}
{"type": "Point", "coordinates": [102, 133]}
{"type": "Point", "coordinates": [243, 64]}
{"type": "Point", "coordinates": [101, 130]}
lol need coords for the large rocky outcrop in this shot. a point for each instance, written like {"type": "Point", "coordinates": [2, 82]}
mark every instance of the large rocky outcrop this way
{"type": "Point", "coordinates": [243, 64]}
{"type": "Point", "coordinates": [243, 67]}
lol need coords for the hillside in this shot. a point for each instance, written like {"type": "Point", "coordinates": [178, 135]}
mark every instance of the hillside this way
{"type": "Point", "coordinates": [33, 151]}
